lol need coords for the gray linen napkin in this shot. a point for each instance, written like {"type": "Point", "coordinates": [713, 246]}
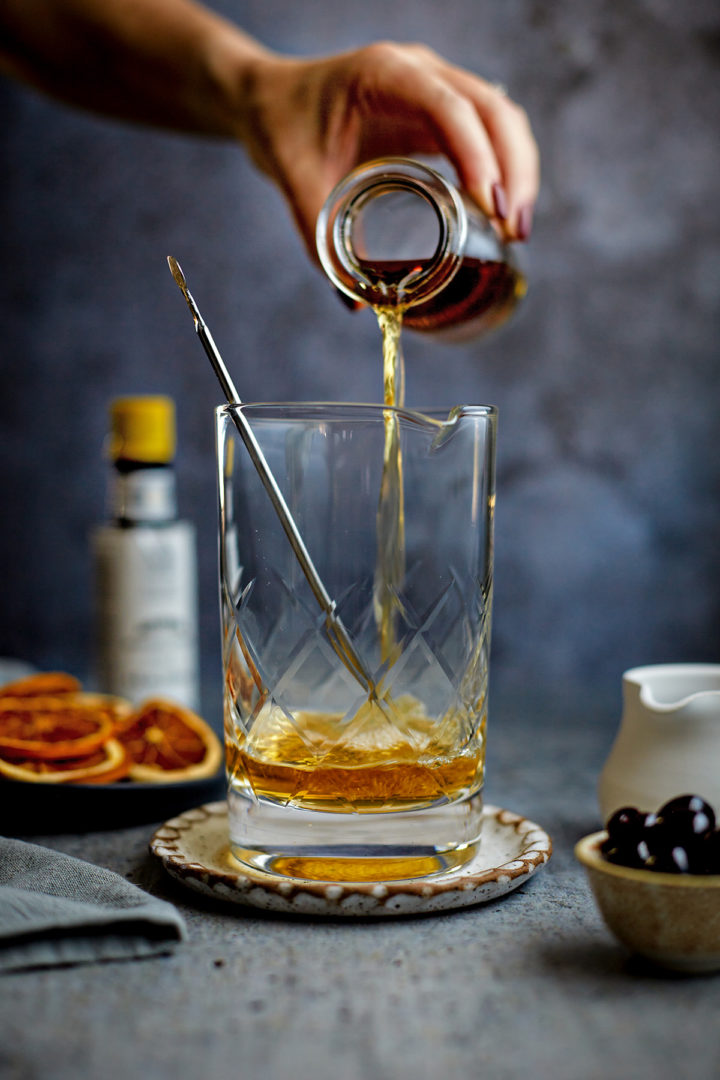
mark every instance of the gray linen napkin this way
{"type": "Point", "coordinates": [57, 910]}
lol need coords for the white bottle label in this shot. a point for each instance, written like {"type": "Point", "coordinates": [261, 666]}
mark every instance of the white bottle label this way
{"type": "Point", "coordinates": [146, 592]}
{"type": "Point", "coordinates": [145, 495]}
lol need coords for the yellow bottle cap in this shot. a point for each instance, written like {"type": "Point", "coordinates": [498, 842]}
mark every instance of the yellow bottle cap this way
{"type": "Point", "coordinates": [143, 429]}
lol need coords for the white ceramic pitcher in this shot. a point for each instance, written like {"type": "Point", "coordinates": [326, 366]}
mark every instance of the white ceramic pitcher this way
{"type": "Point", "coordinates": [668, 742]}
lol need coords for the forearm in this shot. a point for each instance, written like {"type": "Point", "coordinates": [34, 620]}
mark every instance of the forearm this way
{"type": "Point", "coordinates": [167, 62]}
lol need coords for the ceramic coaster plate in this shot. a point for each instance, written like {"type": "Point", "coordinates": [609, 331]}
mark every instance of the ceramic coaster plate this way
{"type": "Point", "coordinates": [194, 850]}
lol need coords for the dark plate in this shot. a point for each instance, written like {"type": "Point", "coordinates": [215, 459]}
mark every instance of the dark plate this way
{"type": "Point", "coordinates": [27, 808]}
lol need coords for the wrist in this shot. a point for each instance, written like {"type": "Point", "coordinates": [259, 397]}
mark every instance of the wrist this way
{"type": "Point", "coordinates": [239, 68]}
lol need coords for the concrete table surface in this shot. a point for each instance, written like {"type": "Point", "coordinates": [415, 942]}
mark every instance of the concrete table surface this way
{"type": "Point", "coordinates": [531, 984]}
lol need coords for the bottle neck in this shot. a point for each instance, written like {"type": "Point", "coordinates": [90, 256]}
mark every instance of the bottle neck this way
{"type": "Point", "coordinates": [142, 494]}
{"type": "Point", "coordinates": [393, 233]}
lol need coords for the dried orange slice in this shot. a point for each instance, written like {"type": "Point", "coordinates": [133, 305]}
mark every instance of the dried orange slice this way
{"type": "Point", "coordinates": [51, 728]}
{"type": "Point", "coordinates": [44, 683]}
{"type": "Point", "coordinates": [169, 743]}
{"type": "Point", "coordinates": [108, 763]}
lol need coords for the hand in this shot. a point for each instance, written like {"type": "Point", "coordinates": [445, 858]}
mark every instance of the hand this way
{"type": "Point", "coordinates": [307, 123]}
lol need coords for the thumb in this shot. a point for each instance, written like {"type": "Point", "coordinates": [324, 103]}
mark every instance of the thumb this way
{"type": "Point", "coordinates": [305, 205]}
{"type": "Point", "coordinates": [306, 197]}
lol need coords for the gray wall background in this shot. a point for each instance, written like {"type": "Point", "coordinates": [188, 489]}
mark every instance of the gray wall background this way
{"type": "Point", "coordinates": [608, 517]}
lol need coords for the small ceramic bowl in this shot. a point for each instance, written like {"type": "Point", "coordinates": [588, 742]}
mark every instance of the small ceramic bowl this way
{"type": "Point", "coordinates": [671, 919]}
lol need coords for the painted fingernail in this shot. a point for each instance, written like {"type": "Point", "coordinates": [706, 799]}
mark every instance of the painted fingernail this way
{"type": "Point", "coordinates": [348, 301]}
{"type": "Point", "coordinates": [500, 201]}
{"type": "Point", "coordinates": [524, 222]}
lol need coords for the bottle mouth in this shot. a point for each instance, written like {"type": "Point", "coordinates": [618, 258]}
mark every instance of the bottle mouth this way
{"type": "Point", "coordinates": [392, 233]}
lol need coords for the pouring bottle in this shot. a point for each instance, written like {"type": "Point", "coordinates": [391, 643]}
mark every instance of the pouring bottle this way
{"type": "Point", "coordinates": [145, 563]}
{"type": "Point", "coordinates": [397, 233]}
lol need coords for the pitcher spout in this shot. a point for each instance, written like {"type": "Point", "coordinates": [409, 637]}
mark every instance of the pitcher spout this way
{"type": "Point", "coordinates": [666, 688]}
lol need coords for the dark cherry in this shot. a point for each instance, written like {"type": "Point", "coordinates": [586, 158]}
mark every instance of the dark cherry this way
{"type": "Point", "coordinates": [711, 853]}
{"type": "Point", "coordinates": [626, 825]}
{"type": "Point", "coordinates": [681, 838]}
{"type": "Point", "coordinates": [634, 854]}
{"type": "Point", "coordinates": [688, 804]}
{"type": "Point", "coordinates": [670, 861]}
{"type": "Point", "coordinates": [626, 843]}
{"type": "Point", "coordinates": [686, 822]}
{"type": "Point", "coordinates": [665, 852]}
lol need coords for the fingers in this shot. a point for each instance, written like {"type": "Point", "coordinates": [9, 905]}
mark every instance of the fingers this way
{"type": "Point", "coordinates": [465, 140]}
{"type": "Point", "coordinates": [406, 94]}
{"type": "Point", "coordinates": [474, 123]}
{"type": "Point", "coordinates": [516, 152]}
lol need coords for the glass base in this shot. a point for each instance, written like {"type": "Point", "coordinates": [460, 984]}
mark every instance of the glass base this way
{"type": "Point", "coordinates": [322, 846]}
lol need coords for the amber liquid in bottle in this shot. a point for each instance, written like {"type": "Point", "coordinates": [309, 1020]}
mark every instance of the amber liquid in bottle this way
{"type": "Point", "coordinates": [479, 298]}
